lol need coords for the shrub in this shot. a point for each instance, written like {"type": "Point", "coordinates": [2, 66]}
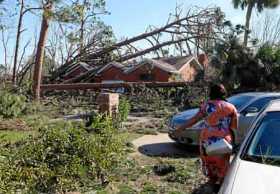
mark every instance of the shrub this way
{"type": "Point", "coordinates": [124, 109]}
{"type": "Point", "coordinates": [106, 146]}
{"type": "Point", "coordinates": [11, 105]}
{"type": "Point", "coordinates": [61, 158]}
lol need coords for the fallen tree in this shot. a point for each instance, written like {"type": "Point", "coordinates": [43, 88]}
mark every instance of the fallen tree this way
{"type": "Point", "coordinates": [198, 30]}
{"type": "Point", "coordinates": [96, 86]}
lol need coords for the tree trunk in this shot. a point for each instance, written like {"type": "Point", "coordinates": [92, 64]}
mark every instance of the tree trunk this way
{"type": "Point", "coordinates": [82, 28]}
{"type": "Point", "coordinates": [247, 24]}
{"type": "Point", "coordinates": [5, 47]}
{"type": "Point", "coordinates": [40, 52]}
{"type": "Point", "coordinates": [18, 41]}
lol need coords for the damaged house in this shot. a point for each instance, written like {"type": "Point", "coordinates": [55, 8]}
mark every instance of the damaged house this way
{"type": "Point", "coordinates": [160, 70]}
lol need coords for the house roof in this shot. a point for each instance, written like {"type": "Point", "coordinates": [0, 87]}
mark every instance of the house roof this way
{"type": "Point", "coordinates": [112, 64]}
{"type": "Point", "coordinates": [160, 64]}
{"type": "Point", "coordinates": [181, 61]}
{"type": "Point", "coordinates": [78, 65]}
{"type": "Point", "coordinates": [170, 64]}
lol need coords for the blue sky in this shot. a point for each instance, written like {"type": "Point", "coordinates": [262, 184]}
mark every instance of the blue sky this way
{"type": "Point", "coordinates": [131, 17]}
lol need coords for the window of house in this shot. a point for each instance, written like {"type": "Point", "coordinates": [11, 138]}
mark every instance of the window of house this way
{"type": "Point", "coordinates": [146, 77]}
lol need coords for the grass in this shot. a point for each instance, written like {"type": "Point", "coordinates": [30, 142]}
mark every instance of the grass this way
{"type": "Point", "coordinates": [125, 189]}
{"type": "Point", "coordinates": [14, 136]}
{"type": "Point", "coordinates": [135, 173]}
{"type": "Point", "coordinates": [147, 131]}
{"type": "Point", "coordinates": [130, 136]}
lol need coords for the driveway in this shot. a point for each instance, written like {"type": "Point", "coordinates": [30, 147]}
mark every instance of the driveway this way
{"type": "Point", "coordinates": [161, 145]}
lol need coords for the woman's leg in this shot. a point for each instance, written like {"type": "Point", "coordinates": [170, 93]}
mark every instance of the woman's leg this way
{"type": "Point", "coordinates": [223, 166]}
{"type": "Point", "coordinates": [215, 167]}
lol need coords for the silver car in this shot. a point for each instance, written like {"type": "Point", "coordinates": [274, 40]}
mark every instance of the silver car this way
{"type": "Point", "coordinates": [248, 105]}
{"type": "Point", "coordinates": [256, 167]}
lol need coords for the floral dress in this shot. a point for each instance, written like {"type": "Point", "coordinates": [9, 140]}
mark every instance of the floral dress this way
{"type": "Point", "coordinates": [220, 119]}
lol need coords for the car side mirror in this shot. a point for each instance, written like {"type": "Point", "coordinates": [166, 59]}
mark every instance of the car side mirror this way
{"type": "Point", "coordinates": [251, 110]}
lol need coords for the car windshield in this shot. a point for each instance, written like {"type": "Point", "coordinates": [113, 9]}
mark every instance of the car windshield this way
{"type": "Point", "coordinates": [239, 100]}
{"type": "Point", "coordinates": [264, 146]}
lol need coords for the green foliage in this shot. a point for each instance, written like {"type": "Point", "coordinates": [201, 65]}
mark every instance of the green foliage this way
{"type": "Point", "coordinates": [124, 109]}
{"type": "Point", "coordinates": [12, 137]}
{"type": "Point", "coordinates": [175, 192]}
{"type": "Point", "coordinates": [260, 5]}
{"type": "Point", "coordinates": [125, 189]}
{"type": "Point", "coordinates": [185, 173]}
{"type": "Point", "coordinates": [270, 57]}
{"type": "Point", "coordinates": [77, 11]}
{"type": "Point", "coordinates": [269, 54]}
{"type": "Point", "coordinates": [240, 69]}
{"type": "Point", "coordinates": [11, 105]}
{"type": "Point", "coordinates": [106, 146]}
{"type": "Point", "coordinates": [61, 158]}
{"type": "Point", "coordinates": [149, 188]}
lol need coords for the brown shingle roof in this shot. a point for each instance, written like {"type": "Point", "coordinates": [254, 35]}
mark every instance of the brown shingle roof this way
{"type": "Point", "coordinates": [177, 62]}
{"type": "Point", "coordinates": [112, 64]}
{"type": "Point", "coordinates": [160, 64]}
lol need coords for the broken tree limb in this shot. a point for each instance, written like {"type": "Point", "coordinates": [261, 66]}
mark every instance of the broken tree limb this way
{"type": "Point", "coordinates": [183, 29]}
{"type": "Point", "coordinates": [96, 86]}
{"type": "Point", "coordinates": [156, 47]}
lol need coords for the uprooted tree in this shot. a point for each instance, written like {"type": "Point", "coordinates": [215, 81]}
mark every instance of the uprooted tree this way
{"type": "Point", "coordinates": [198, 30]}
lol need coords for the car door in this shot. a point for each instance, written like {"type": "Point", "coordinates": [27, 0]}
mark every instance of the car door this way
{"type": "Point", "coordinates": [247, 116]}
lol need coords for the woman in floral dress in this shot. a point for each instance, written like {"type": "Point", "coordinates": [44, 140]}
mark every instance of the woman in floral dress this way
{"type": "Point", "coordinates": [220, 121]}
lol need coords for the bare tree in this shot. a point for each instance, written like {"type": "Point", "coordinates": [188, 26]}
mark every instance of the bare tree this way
{"type": "Point", "coordinates": [22, 11]}
{"type": "Point", "coordinates": [267, 28]}
{"type": "Point", "coordinates": [250, 5]}
{"type": "Point", "coordinates": [5, 38]}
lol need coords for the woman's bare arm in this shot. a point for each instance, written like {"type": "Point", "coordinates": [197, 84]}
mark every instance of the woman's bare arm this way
{"type": "Point", "coordinates": [189, 123]}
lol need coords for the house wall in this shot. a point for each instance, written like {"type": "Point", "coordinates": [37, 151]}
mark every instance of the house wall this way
{"type": "Point", "coordinates": [203, 60]}
{"type": "Point", "coordinates": [188, 73]}
{"type": "Point", "coordinates": [111, 73]}
{"type": "Point", "coordinates": [156, 74]}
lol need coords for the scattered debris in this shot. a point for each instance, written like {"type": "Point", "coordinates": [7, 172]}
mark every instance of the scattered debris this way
{"type": "Point", "coordinates": [163, 169]}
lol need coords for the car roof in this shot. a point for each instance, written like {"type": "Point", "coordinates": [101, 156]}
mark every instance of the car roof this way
{"type": "Point", "coordinates": [259, 94]}
{"type": "Point", "coordinates": [273, 106]}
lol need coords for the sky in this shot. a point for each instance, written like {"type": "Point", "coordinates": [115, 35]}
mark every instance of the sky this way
{"type": "Point", "coordinates": [131, 17]}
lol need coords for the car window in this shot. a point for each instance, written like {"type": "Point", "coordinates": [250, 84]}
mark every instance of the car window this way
{"type": "Point", "coordinates": [260, 103]}
{"type": "Point", "coordinates": [240, 100]}
{"type": "Point", "coordinates": [264, 147]}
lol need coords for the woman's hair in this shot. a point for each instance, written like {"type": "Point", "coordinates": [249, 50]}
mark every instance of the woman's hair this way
{"type": "Point", "coordinates": [217, 92]}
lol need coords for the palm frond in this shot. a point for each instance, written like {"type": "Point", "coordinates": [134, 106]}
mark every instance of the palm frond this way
{"type": "Point", "coordinates": [236, 3]}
